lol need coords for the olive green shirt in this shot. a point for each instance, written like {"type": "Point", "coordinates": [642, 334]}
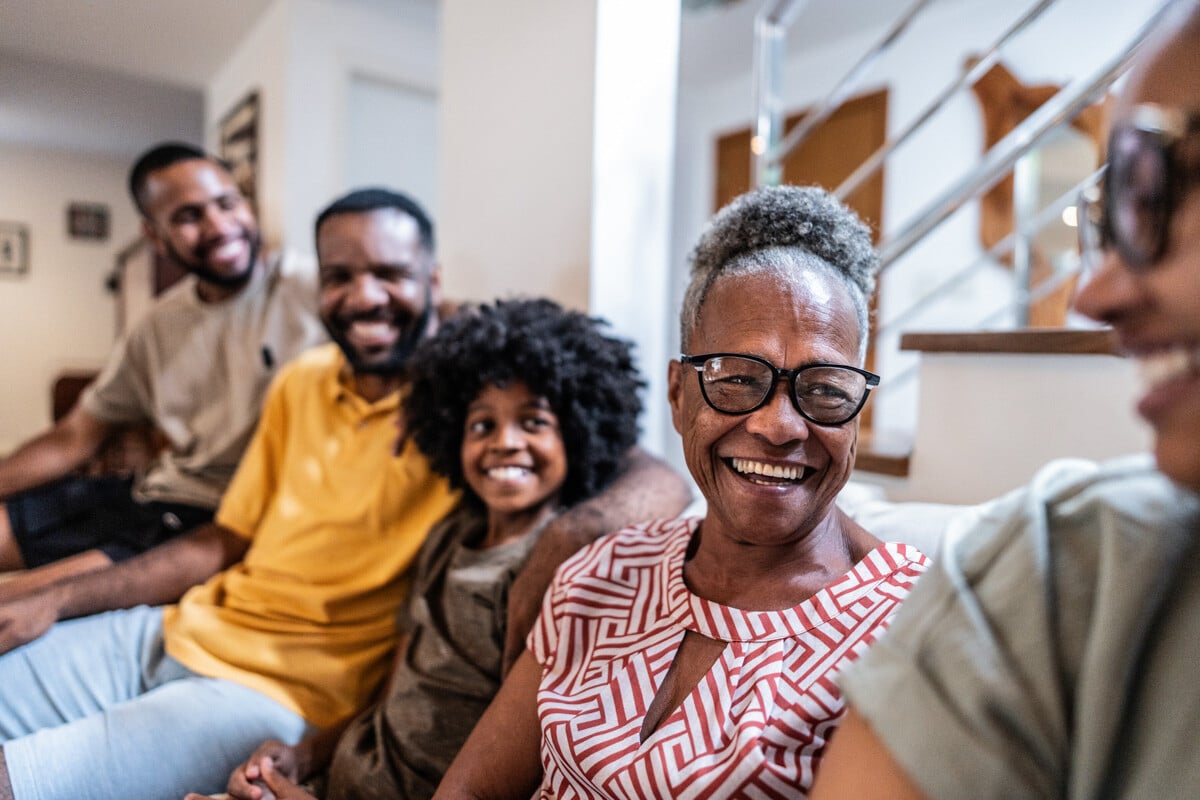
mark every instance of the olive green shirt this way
{"type": "Point", "coordinates": [1053, 648]}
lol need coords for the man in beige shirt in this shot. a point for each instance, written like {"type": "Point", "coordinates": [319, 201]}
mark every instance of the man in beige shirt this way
{"type": "Point", "coordinates": [196, 368]}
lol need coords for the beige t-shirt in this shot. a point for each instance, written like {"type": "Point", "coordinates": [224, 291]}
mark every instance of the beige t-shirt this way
{"type": "Point", "coordinates": [198, 372]}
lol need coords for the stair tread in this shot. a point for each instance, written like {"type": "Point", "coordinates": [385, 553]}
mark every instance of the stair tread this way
{"type": "Point", "coordinates": [883, 453]}
{"type": "Point", "coordinates": [1028, 341]}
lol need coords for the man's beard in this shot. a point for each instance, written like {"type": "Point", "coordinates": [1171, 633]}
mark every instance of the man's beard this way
{"type": "Point", "coordinates": [196, 266]}
{"type": "Point", "coordinates": [397, 357]}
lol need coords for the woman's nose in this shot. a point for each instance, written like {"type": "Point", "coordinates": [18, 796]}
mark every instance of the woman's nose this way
{"type": "Point", "coordinates": [777, 420]}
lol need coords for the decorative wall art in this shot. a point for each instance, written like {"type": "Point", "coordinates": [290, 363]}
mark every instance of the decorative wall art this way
{"type": "Point", "coordinates": [14, 249]}
{"type": "Point", "coordinates": [239, 145]}
{"type": "Point", "coordinates": [87, 221]}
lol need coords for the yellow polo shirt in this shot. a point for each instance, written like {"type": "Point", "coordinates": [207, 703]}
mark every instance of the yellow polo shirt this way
{"type": "Point", "coordinates": [308, 618]}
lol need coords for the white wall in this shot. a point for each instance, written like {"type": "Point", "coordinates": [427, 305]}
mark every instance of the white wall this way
{"type": "Point", "coordinates": [988, 421]}
{"type": "Point", "coordinates": [259, 64]}
{"type": "Point", "coordinates": [1071, 39]}
{"type": "Point", "coordinates": [69, 134]}
{"type": "Point", "coordinates": [331, 43]}
{"type": "Point", "coordinates": [59, 316]}
{"type": "Point", "coordinates": [516, 160]}
{"type": "Point", "coordinates": [556, 162]}
{"type": "Point", "coordinates": [392, 138]}
{"type": "Point", "coordinates": [632, 177]}
{"type": "Point", "coordinates": [303, 56]}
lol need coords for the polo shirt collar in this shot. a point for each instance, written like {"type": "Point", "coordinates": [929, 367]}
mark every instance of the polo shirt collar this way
{"type": "Point", "coordinates": [340, 389]}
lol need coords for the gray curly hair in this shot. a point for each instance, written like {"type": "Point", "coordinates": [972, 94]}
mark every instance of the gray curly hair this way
{"type": "Point", "coordinates": [783, 230]}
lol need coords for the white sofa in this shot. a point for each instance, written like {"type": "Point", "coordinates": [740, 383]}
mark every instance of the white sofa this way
{"type": "Point", "coordinates": [919, 524]}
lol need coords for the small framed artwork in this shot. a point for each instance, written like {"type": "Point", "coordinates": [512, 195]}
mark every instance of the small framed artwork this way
{"type": "Point", "coordinates": [14, 248]}
{"type": "Point", "coordinates": [239, 145]}
{"type": "Point", "coordinates": [87, 221]}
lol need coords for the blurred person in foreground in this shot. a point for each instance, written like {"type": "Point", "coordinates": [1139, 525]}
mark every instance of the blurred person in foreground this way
{"type": "Point", "coordinates": [1051, 652]}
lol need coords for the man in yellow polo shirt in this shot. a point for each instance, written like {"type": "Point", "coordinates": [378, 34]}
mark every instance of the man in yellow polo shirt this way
{"type": "Point", "coordinates": [293, 629]}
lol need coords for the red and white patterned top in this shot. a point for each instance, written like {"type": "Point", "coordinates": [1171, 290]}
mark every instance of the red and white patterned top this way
{"type": "Point", "coordinates": [754, 726]}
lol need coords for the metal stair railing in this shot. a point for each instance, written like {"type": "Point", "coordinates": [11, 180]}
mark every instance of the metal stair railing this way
{"type": "Point", "coordinates": [1030, 228]}
{"type": "Point", "coordinates": [1027, 296]}
{"type": "Point", "coordinates": [996, 163]}
{"type": "Point", "coordinates": [969, 75]}
{"type": "Point", "coordinates": [1024, 297]}
{"type": "Point", "coordinates": [769, 148]}
{"type": "Point", "coordinates": [770, 25]}
{"type": "Point", "coordinates": [770, 145]}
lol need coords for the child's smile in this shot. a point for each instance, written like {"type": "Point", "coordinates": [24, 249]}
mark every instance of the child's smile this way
{"type": "Point", "coordinates": [512, 453]}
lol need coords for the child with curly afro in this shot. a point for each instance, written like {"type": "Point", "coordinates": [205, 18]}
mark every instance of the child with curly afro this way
{"type": "Point", "coordinates": [527, 409]}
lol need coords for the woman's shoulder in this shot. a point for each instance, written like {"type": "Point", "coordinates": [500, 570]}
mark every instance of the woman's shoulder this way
{"type": "Point", "coordinates": [891, 557]}
{"type": "Point", "coordinates": [641, 543]}
{"type": "Point", "coordinates": [886, 574]}
{"type": "Point", "coordinates": [645, 534]}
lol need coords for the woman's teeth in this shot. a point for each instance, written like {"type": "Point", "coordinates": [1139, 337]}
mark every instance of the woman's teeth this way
{"type": "Point", "coordinates": [1168, 365]}
{"type": "Point", "coordinates": [748, 467]}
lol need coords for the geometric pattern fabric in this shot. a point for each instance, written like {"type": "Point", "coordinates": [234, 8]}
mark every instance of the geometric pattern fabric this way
{"type": "Point", "coordinates": [755, 726]}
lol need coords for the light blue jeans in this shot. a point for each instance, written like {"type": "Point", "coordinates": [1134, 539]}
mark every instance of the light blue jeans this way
{"type": "Point", "coordinates": [97, 709]}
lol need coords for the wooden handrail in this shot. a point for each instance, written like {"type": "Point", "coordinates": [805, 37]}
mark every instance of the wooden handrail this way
{"type": "Point", "coordinates": [1032, 341]}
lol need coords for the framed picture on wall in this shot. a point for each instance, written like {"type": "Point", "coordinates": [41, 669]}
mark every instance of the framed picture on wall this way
{"type": "Point", "coordinates": [239, 145]}
{"type": "Point", "coordinates": [14, 249]}
{"type": "Point", "coordinates": [87, 221]}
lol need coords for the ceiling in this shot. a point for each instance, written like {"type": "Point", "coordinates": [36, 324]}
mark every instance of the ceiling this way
{"type": "Point", "coordinates": [179, 42]}
{"type": "Point", "coordinates": [717, 36]}
{"type": "Point", "coordinates": [166, 41]}
{"type": "Point", "coordinates": [184, 43]}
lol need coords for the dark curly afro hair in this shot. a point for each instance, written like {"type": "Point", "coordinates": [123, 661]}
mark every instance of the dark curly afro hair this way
{"type": "Point", "coordinates": [588, 378]}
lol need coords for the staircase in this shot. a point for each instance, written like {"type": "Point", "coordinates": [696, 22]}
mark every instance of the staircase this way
{"type": "Point", "coordinates": [986, 372]}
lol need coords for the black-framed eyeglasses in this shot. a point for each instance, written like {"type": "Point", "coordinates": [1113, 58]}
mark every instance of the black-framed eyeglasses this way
{"type": "Point", "coordinates": [825, 394]}
{"type": "Point", "coordinates": [1145, 179]}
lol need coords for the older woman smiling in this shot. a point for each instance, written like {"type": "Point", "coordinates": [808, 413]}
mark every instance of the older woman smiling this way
{"type": "Point", "coordinates": [696, 656]}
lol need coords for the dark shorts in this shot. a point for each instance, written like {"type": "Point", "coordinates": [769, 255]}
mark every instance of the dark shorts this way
{"type": "Point", "coordinates": [77, 514]}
